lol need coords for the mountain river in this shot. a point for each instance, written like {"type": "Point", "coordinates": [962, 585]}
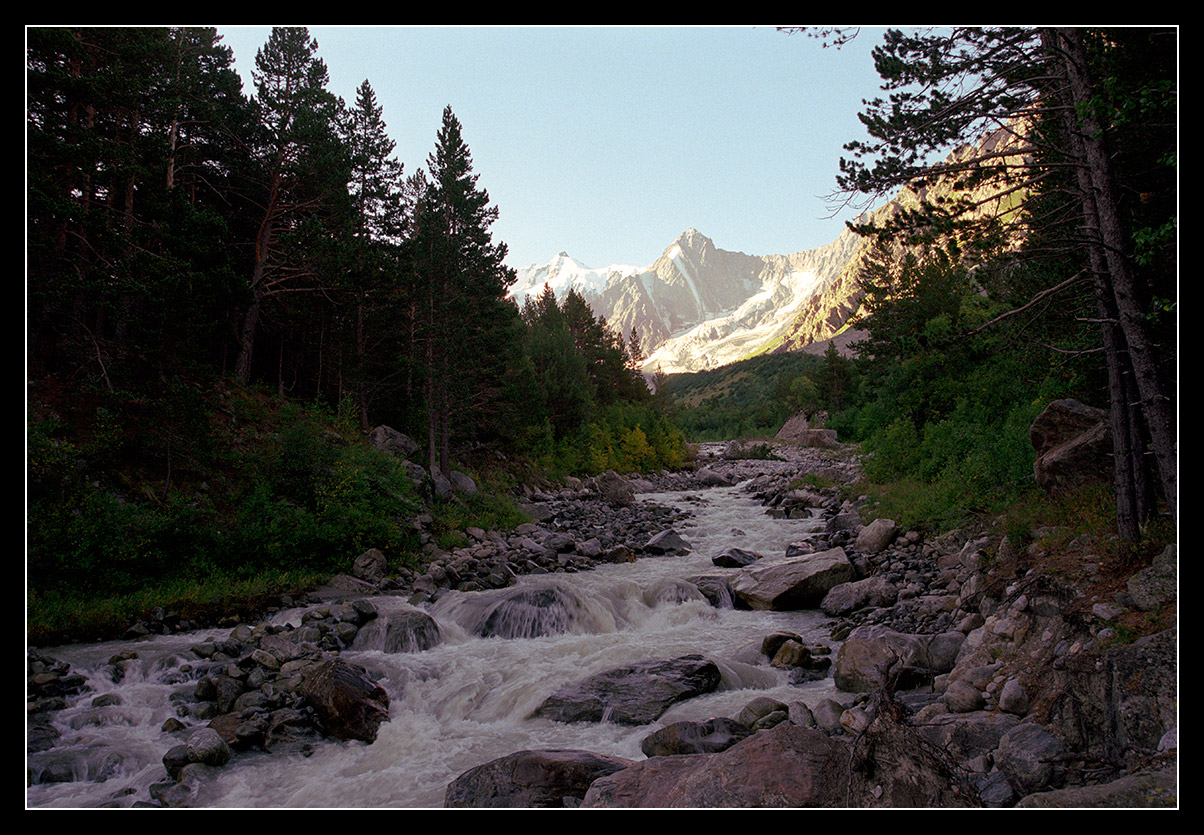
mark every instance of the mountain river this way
{"type": "Point", "coordinates": [461, 704]}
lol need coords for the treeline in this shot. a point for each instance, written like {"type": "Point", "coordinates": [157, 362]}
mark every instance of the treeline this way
{"type": "Point", "coordinates": [226, 289]}
{"type": "Point", "coordinates": [1039, 261]}
{"type": "Point", "coordinates": [179, 228]}
{"type": "Point", "coordinates": [748, 399]}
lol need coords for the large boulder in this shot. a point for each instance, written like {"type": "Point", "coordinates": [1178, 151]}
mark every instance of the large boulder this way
{"type": "Point", "coordinates": [1073, 443]}
{"type": "Point", "coordinates": [793, 582]}
{"type": "Point", "coordinates": [531, 612]}
{"type": "Point", "coordinates": [667, 542]}
{"type": "Point", "coordinates": [1158, 789]}
{"type": "Point", "coordinates": [967, 735]}
{"type": "Point", "coordinates": [348, 703]}
{"type": "Point", "coordinates": [1029, 756]}
{"type": "Point", "coordinates": [872, 653]}
{"type": "Point", "coordinates": [388, 439]}
{"type": "Point", "coordinates": [632, 695]}
{"type": "Point", "coordinates": [793, 428]}
{"type": "Point", "coordinates": [1151, 587]}
{"type": "Point", "coordinates": [614, 489]}
{"type": "Point", "coordinates": [876, 536]}
{"type": "Point", "coordinates": [875, 592]}
{"type": "Point", "coordinates": [531, 779]}
{"type": "Point", "coordinates": [409, 630]}
{"type": "Point", "coordinates": [789, 766]}
{"type": "Point", "coordinates": [370, 566]}
{"type": "Point", "coordinates": [783, 766]}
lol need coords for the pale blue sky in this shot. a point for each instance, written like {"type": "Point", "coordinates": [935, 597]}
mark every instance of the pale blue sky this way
{"type": "Point", "coordinates": [608, 142]}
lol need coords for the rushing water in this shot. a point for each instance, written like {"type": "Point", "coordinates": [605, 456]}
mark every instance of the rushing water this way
{"type": "Point", "coordinates": [464, 702]}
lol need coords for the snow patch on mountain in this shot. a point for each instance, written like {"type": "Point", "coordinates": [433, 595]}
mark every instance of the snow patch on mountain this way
{"type": "Point", "coordinates": [564, 273]}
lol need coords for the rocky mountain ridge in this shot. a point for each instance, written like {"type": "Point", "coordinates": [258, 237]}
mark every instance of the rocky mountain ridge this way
{"type": "Point", "coordinates": [699, 307]}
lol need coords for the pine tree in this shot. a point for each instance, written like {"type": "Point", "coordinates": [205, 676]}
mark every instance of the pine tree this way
{"type": "Point", "coordinates": [469, 327]}
{"type": "Point", "coordinates": [299, 171]}
{"type": "Point", "coordinates": [370, 285]}
{"type": "Point", "coordinates": [1050, 168]}
{"type": "Point", "coordinates": [130, 147]}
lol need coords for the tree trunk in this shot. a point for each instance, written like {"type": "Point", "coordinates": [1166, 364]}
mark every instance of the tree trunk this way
{"type": "Point", "coordinates": [1156, 405]}
{"type": "Point", "coordinates": [246, 341]}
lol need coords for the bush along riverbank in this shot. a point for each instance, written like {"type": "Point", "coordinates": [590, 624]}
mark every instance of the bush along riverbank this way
{"type": "Point", "coordinates": [977, 667]}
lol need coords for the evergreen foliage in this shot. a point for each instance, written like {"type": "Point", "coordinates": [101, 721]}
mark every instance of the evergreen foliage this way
{"type": "Point", "coordinates": [184, 234]}
{"type": "Point", "coordinates": [1045, 194]}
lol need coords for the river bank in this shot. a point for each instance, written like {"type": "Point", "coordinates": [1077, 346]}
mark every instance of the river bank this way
{"type": "Point", "coordinates": [467, 700]}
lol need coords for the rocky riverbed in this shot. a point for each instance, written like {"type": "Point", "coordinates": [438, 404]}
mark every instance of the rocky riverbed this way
{"type": "Point", "coordinates": [951, 671]}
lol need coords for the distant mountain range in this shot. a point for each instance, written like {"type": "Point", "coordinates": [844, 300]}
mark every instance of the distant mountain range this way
{"type": "Point", "coordinates": [699, 307]}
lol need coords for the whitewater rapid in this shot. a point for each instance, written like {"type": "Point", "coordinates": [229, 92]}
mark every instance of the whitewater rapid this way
{"type": "Point", "coordinates": [466, 701]}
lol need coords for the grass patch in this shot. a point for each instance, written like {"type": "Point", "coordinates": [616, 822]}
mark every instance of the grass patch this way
{"type": "Point", "coordinates": [58, 616]}
{"type": "Point", "coordinates": [490, 509]}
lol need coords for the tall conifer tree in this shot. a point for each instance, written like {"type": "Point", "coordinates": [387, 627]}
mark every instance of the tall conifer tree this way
{"type": "Point", "coordinates": [297, 173]}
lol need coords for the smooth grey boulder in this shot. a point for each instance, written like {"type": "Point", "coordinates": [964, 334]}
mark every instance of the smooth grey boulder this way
{"type": "Point", "coordinates": [876, 536]}
{"type": "Point", "coordinates": [876, 592]}
{"type": "Point", "coordinates": [632, 695]}
{"type": "Point", "coordinates": [792, 582]}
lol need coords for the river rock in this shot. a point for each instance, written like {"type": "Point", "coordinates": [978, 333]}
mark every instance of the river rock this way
{"type": "Point", "coordinates": [614, 489]}
{"type": "Point", "coordinates": [793, 582]}
{"type": "Point", "coordinates": [671, 590]}
{"type": "Point", "coordinates": [404, 631]}
{"type": "Point", "coordinates": [667, 542]}
{"type": "Point", "coordinates": [349, 704]}
{"type": "Point", "coordinates": [205, 745]}
{"type": "Point", "coordinates": [531, 779]}
{"type": "Point", "coordinates": [530, 612]}
{"type": "Point", "coordinates": [872, 652]}
{"type": "Point", "coordinates": [876, 536]}
{"type": "Point", "coordinates": [709, 737]}
{"type": "Point", "coordinates": [787, 766]}
{"type": "Point", "coordinates": [709, 478]}
{"type": "Point", "coordinates": [845, 598]}
{"type": "Point", "coordinates": [735, 558]}
{"type": "Point", "coordinates": [783, 766]}
{"type": "Point", "coordinates": [632, 695]}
